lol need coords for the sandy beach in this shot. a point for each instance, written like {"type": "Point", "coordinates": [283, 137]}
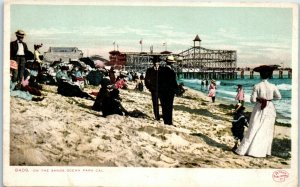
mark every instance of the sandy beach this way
{"type": "Point", "coordinates": [64, 131]}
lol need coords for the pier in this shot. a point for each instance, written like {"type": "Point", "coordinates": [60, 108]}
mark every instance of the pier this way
{"type": "Point", "coordinates": [196, 62]}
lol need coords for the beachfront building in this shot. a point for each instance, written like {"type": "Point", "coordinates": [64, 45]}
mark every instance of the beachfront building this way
{"type": "Point", "coordinates": [133, 61]}
{"type": "Point", "coordinates": [200, 62]}
{"type": "Point", "coordinates": [62, 54]}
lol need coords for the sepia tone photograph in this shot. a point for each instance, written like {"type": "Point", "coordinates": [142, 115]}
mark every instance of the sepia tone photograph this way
{"type": "Point", "coordinates": [173, 94]}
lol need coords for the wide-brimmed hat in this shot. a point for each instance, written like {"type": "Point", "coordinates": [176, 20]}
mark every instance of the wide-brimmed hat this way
{"type": "Point", "coordinates": [37, 46]}
{"type": "Point", "coordinates": [213, 80]}
{"type": "Point", "coordinates": [170, 59]}
{"type": "Point", "coordinates": [13, 64]}
{"type": "Point", "coordinates": [156, 59]}
{"type": "Point", "coordinates": [20, 33]}
{"type": "Point", "coordinates": [266, 68]}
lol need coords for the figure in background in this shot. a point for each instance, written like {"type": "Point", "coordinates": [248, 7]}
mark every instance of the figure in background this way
{"type": "Point", "coordinates": [139, 85]}
{"type": "Point", "coordinates": [167, 86]}
{"type": "Point", "coordinates": [142, 77]}
{"type": "Point", "coordinates": [18, 52]}
{"type": "Point", "coordinates": [202, 84]}
{"type": "Point", "coordinates": [180, 91]}
{"type": "Point", "coordinates": [151, 83]}
{"type": "Point", "coordinates": [240, 96]}
{"type": "Point", "coordinates": [259, 137]}
{"type": "Point", "coordinates": [37, 61]}
{"type": "Point", "coordinates": [121, 82]}
{"type": "Point", "coordinates": [111, 74]}
{"type": "Point", "coordinates": [212, 90]}
{"type": "Point", "coordinates": [239, 123]}
{"type": "Point", "coordinates": [206, 84]}
{"type": "Point", "coordinates": [62, 74]}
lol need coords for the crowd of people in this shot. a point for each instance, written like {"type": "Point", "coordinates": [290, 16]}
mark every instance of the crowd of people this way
{"type": "Point", "coordinates": [28, 72]}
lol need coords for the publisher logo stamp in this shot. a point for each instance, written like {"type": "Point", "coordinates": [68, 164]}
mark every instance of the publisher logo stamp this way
{"type": "Point", "coordinates": [280, 175]}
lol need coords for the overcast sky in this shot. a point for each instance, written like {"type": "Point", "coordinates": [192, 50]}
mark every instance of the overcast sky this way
{"type": "Point", "coordinates": [260, 35]}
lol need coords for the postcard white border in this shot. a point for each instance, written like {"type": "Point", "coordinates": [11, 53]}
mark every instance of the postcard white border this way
{"type": "Point", "coordinates": [107, 176]}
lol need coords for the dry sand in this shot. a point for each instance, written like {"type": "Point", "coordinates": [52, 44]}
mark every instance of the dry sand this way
{"type": "Point", "coordinates": [64, 131]}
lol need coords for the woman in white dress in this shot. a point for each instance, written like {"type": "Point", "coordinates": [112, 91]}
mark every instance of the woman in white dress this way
{"type": "Point", "coordinates": [258, 139]}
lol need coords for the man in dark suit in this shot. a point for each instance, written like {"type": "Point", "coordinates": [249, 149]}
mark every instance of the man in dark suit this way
{"type": "Point", "coordinates": [151, 83]}
{"type": "Point", "coordinates": [18, 51]}
{"type": "Point", "coordinates": [167, 87]}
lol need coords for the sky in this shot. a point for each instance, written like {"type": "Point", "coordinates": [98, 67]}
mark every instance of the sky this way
{"type": "Point", "coordinates": [260, 35]}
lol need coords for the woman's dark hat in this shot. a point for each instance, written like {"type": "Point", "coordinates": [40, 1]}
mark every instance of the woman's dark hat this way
{"type": "Point", "coordinates": [266, 68]}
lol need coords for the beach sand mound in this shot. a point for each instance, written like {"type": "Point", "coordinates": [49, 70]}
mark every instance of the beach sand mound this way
{"type": "Point", "coordinates": [64, 131]}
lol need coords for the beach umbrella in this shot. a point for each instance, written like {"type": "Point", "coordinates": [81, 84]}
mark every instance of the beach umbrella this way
{"type": "Point", "coordinates": [97, 57]}
{"type": "Point", "coordinates": [77, 63]}
{"type": "Point", "coordinates": [55, 63]}
{"type": "Point", "coordinates": [88, 61]}
{"type": "Point", "coordinates": [99, 64]}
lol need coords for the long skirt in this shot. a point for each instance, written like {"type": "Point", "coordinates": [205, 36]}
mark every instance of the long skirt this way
{"type": "Point", "coordinates": [258, 140]}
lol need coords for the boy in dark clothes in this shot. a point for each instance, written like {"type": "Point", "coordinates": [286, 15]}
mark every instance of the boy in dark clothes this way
{"type": "Point", "coordinates": [238, 124]}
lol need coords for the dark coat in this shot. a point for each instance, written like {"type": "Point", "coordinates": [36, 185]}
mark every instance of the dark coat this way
{"type": "Point", "coordinates": [14, 49]}
{"type": "Point", "coordinates": [151, 79]}
{"type": "Point", "coordinates": [238, 125]}
{"type": "Point", "coordinates": [167, 82]}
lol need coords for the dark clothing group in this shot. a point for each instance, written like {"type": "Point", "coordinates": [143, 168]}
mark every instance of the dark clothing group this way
{"type": "Point", "coordinates": [161, 82]}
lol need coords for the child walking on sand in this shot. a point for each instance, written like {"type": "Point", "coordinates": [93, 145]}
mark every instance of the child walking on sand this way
{"type": "Point", "coordinates": [238, 124]}
{"type": "Point", "coordinates": [212, 90]}
{"type": "Point", "coordinates": [240, 96]}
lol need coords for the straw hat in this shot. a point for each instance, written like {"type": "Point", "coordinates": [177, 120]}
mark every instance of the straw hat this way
{"type": "Point", "coordinates": [20, 33]}
{"type": "Point", "coordinates": [170, 59]}
{"type": "Point", "coordinates": [13, 64]}
{"type": "Point", "coordinates": [213, 81]}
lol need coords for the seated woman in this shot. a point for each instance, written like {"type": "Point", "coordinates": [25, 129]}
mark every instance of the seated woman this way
{"type": "Point", "coordinates": [112, 104]}
{"type": "Point", "coordinates": [102, 94]}
{"type": "Point", "coordinates": [69, 89]}
{"type": "Point", "coordinates": [27, 85]}
{"type": "Point", "coordinates": [121, 82]}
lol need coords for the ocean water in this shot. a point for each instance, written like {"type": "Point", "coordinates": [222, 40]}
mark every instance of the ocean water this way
{"type": "Point", "coordinates": [226, 89]}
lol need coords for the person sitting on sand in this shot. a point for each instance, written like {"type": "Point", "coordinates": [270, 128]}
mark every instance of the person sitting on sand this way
{"type": "Point", "coordinates": [180, 91]}
{"type": "Point", "coordinates": [102, 94]}
{"type": "Point", "coordinates": [26, 83]}
{"type": "Point", "coordinates": [63, 74]}
{"type": "Point", "coordinates": [238, 124]}
{"type": "Point", "coordinates": [67, 88]}
{"type": "Point", "coordinates": [112, 104]}
{"type": "Point", "coordinates": [139, 85]}
{"type": "Point", "coordinates": [19, 93]}
{"type": "Point", "coordinates": [121, 82]}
